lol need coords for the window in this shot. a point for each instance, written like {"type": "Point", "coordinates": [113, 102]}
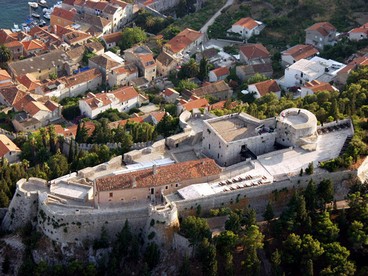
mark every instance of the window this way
{"type": "Point", "coordinates": [166, 187]}
{"type": "Point", "coordinates": [218, 156]}
{"type": "Point", "coordinates": [209, 146]}
{"type": "Point", "coordinates": [111, 194]}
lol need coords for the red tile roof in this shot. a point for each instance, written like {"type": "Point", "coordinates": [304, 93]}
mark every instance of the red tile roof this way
{"type": "Point", "coordinates": [170, 91]}
{"type": "Point", "coordinates": [211, 88]}
{"type": "Point", "coordinates": [164, 175]}
{"type": "Point", "coordinates": [253, 51]}
{"type": "Point", "coordinates": [267, 86]}
{"type": "Point", "coordinates": [317, 86]}
{"type": "Point", "coordinates": [247, 22]}
{"type": "Point", "coordinates": [28, 81]}
{"type": "Point", "coordinates": [113, 37]}
{"type": "Point", "coordinates": [12, 94]}
{"type": "Point", "coordinates": [182, 40]}
{"type": "Point", "coordinates": [324, 28]}
{"type": "Point", "coordinates": [360, 61]}
{"type": "Point", "coordinates": [72, 130]}
{"type": "Point", "coordinates": [198, 103]}
{"type": "Point", "coordinates": [34, 44]}
{"type": "Point", "coordinates": [301, 51]}
{"type": "Point", "coordinates": [65, 14]}
{"type": "Point", "coordinates": [221, 71]}
{"type": "Point", "coordinates": [6, 145]}
{"type": "Point", "coordinates": [361, 29]}
{"type": "Point", "coordinates": [83, 77]}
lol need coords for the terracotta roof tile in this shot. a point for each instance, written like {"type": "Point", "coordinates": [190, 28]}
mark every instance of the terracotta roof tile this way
{"type": "Point", "coordinates": [198, 103]}
{"type": "Point", "coordinates": [12, 94]}
{"type": "Point", "coordinates": [253, 51]}
{"type": "Point", "coordinates": [317, 86]}
{"type": "Point", "coordinates": [164, 175]}
{"type": "Point", "coordinates": [34, 44]}
{"type": "Point", "coordinates": [83, 77]}
{"type": "Point", "coordinates": [6, 145]}
{"type": "Point", "coordinates": [301, 51]}
{"type": "Point", "coordinates": [247, 22]}
{"type": "Point", "coordinates": [267, 86]}
{"type": "Point", "coordinates": [65, 14]}
{"type": "Point", "coordinates": [113, 37]}
{"type": "Point", "coordinates": [221, 71]}
{"type": "Point", "coordinates": [182, 40]}
{"type": "Point", "coordinates": [30, 82]}
{"type": "Point", "coordinates": [324, 28]}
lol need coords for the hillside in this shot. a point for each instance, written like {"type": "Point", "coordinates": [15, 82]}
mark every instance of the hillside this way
{"type": "Point", "coordinates": [286, 20]}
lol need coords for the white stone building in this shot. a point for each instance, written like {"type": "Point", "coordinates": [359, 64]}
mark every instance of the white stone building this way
{"type": "Point", "coordinates": [246, 27]}
{"type": "Point", "coordinates": [122, 99]}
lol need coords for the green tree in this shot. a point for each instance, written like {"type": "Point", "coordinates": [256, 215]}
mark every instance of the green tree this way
{"type": "Point", "coordinates": [131, 36]}
{"type": "Point", "coordinates": [228, 264]}
{"type": "Point", "coordinates": [152, 255]}
{"type": "Point", "coordinates": [203, 69]}
{"type": "Point", "coordinates": [268, 213]}
{"type": "Point", "coordinates": [336, 260]}
{"type": "Point", "coordinates": [195, 229]}
{"type": "Point", "coordinates": [5, 55]}
{"type": "Point", "coordinates": [257, 77]}
{"type": "Point", "coordinates": [252, 241]}
{"type": "Point", "coordinates": [276, 262]}
{"type": "Point", "coordinates": [186, 85]}
{"type": "Point", "coordinates": [310, 195]}
{"type": "Point", "coordinates": [233, 223]}
{"type": "Point", "coordinates": [357, 235]}
{"type": "Point", "coordinates": [189, 70]}
{"type": "Point", "coordinates": [325, 191]}
{"type": "Point", "coordinates": [207, 256]}
{"type": "Point", "coordinates": [58, 165]}
{"type": "Point", "coordinates": [325, 229]}
{"type": "Point", "coordinates": [226, 241]}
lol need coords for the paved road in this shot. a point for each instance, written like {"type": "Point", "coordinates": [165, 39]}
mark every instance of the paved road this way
{"type": "Point", "coordinates": [212, 19]}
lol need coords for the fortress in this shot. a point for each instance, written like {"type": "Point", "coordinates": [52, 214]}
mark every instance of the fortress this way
{"type": "Point", "coordinates": [214, 163]}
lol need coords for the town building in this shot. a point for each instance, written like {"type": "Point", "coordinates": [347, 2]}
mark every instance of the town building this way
{"type": "Point", "coordinates": [304, 71]}
{"type": "Point", "coordinates": [355, 64]}
{"type": "Point", "coordinates": [359, 33]}
{"type": "Point", "coordinates": [219, 90]}
{"type": "Point", "coordinates": [183, 42]}
{"type": "Point", "coordinates": [263, 88]}
{"type": "Point", "coordinates": [170, 95]}
{"type": "Point", "coordinates": [122, 99]}
{"type": "Point", "coordinates": [246, 27]}
{"type": "Point", "coordinates": [237, 137]}
{"type": "Point", "coordinates": [9, 150]}
{"type": "Point", "coordinates": [320, 35]}
{"type": "Point", "coordinates": [313, 87]}
{"type": "Point", "coordinates": [218, 74]}
{"type": "Point", "coordinates": [142, 57]}
{"type": "Point", "coordinates": [122, 74]}
{"type": "Point", "coordinates": [244, 72]}
{"type": "Point", "coordinates": [254, 54]}
{"type": "Point", "coordinates": [298, 52]}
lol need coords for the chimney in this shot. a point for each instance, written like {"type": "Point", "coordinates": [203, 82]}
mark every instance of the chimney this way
{"type": "Point", "coordinates": [154, 169]}
{"type": "Point", "coordinates": [134, 182]}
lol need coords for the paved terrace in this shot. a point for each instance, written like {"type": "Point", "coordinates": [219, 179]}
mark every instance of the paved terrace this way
{"type": "Point", "coordinates": [328, 146]}
{"type": "Point", "coordinates": [233, 128]}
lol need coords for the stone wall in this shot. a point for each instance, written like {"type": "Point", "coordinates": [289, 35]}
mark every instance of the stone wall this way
{"type": "Point", "coordinates": [257, 197]}
{"type": "Point", "coordinates": [23, 206]}
{"type": "Point", "coordinates": [77, 225]}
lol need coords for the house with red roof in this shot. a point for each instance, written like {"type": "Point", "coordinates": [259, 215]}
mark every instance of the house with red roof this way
{"type": "Point", "coordinates": [246, 27]}
{"type": "Point", "coordinates": [142, 57]}
{"type": "Point", "coordinates": [35, 112]}
{"type": "Point", "coordinates": [218, 74]}
{"type": "Point", "coordinates": [62, 17]}
{"type": "Point", "coordinates": [263, 88]}
{"type": "Point", "coordinates": [122, 75]}
{"type": "Point", "coordinates": [112, 40]}
{"type": "Point", "coordinates": [355, 64]}
{"type": "Point", "coordinates": [359, 33]}
{"type": "Point", "coordinates": [170, 95]}
{"type": "Point", "coordinates": [183, 42]}
{"type": "Point", "coordinates": [254, 54]}
{"type": "Point", "coordinates": [315, 86]}
{"type": "Point", "coordinates": [320, 35]}
{"type": "Point", "coordinates": [9, 150]}
{"type": "Point", "coordinates": [298, 52]}
{"type": "Point", "coordinates": [122, 99]}
{"type": "Point", "coordinates": [192, 103]}
{"type": "Point", "coordinates": [29, 82]}
{"type": "Point", "coordinates": [33, 47]}
{"type": "Point", "coordinates": [5, 78]}
{"type": "Point", "coordinates": [10, 95]}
